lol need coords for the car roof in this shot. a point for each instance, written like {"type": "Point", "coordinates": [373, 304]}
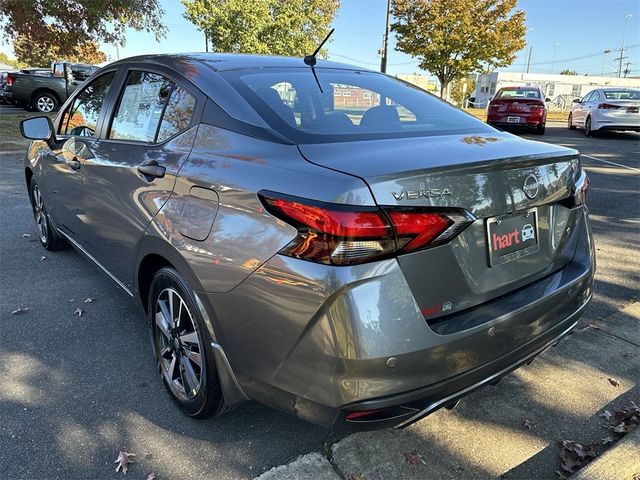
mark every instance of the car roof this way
{"type": "Point", "coordinates": [234, 61]}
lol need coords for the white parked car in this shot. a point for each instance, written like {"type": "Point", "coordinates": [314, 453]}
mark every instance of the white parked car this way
{"type": "Point", "coordinates": [611, 108]}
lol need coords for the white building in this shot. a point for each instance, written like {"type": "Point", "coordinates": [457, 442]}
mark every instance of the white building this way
{"type": "Point", "coordinates": [561, 89]}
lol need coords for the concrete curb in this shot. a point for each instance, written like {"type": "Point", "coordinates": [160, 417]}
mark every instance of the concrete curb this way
{"type": "Point", "coordinates": [620, 462]}
{"type": "Point", "coordinates": [311, 466]}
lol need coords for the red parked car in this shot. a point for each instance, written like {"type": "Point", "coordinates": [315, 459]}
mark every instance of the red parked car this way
{"type": "Point", "coordinates": [518, 107]}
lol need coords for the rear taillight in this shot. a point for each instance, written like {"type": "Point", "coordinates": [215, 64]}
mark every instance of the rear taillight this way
{"type": "Point", "coordinates": [9, 80]}
{"type": "Point", "coordinates": [608, 106]}
{"type": "Point", "coordinates": [536, 106]}
{"type": "Point", "coordinates": [579, 192]}
{"type": "Point", "coordinates": [349, 234]}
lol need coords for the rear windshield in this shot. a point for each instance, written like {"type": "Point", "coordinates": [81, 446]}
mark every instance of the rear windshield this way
{"type": "Point", "coordinates": [352, 105]}
{"type": "Point", "coordinates": [622, 94]}
{"type": "Point", "coordinates": [518, 93]}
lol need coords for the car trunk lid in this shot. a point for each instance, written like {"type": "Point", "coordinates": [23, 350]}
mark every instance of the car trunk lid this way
{"type": "Point", "coordinates": [490, 176]}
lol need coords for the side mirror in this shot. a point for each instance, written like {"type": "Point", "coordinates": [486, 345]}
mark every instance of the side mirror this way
{"type": "Point", "coordinates": [577, 100]}
{"type": "Point", "coordinates": [36, 128]}
{"type": "Point", "coordinates": [548, 100]}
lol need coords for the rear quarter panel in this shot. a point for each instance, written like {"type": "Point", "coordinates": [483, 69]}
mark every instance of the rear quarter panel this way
{"type": "Point", "coordinates": [235, 167]}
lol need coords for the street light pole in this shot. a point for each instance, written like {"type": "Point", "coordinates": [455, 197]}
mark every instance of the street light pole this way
{"type": "Point", "coordinates": [624, 34]}
{"type": "Point", "coordinates": [604, 63]}
{"type": "Point", "coordinates": [529, 57]}
{"type": "Point", "coordinates": [385, 41]}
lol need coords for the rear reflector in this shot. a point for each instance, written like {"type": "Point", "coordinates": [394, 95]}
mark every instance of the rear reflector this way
{"type": "Point", "coordinates": [348, 234]}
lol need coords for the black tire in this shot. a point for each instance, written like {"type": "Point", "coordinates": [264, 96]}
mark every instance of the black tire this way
{"type": "Point", "coordinates": [48, 236]}
{"type": "Point", "coordinates": [587, 127]}
{"type": "Point", "coordinates": [45, 102]}
{"type": "Point", "coordinates": [570, 122]}
{"type": "Point", "coordinates": [176, 349]}
{"type": "Point", "coordinates": [540, 129]}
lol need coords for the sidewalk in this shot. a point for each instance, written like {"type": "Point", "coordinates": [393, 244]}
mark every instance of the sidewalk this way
{"type": "Point", "coordinates": [562, 393]}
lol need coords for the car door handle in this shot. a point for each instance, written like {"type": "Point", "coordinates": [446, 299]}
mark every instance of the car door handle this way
{"type": "Point", "coordinates": [152, 169]}
{"type": "Point", "coordinates": [74, 164]}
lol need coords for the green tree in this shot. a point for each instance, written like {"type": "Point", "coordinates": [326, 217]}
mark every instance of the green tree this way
{"type": "Point", "coordinates": [15, 63]}
{"type": "Point", "coordinates": [70, 24]}
{"type": "Point", "coordinates": [276, 27]}
{"type": "Point", "coordinates": [452, 38]}
{"type": "Point", "coordinates": [566, 71]}
{"type": "Point", "coordinates": [459, 93]}
{"type": "Point", "coordinates": [34, 55]}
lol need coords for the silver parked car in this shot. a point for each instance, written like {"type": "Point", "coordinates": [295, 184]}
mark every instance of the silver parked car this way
{"type": "Point", "coordinates": [610, 108]}
{"type": "Point", "coordinates": [324, 239]}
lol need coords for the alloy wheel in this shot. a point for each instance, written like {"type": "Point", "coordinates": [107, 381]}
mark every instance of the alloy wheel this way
{"type": "Point", "coordinates": [40, 214]}
{"type": "Point", "coordinates": [45, 104]}
{"type": "Point", "coordinates": [178, 344]}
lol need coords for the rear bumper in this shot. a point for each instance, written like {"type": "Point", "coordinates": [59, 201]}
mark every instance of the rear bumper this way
{"type": "Point", "coordinates": [524, 120]}
{"type": "Point", "coordinates": [411, 407]}
{"type": "Point", "coordinates": [325, 342]}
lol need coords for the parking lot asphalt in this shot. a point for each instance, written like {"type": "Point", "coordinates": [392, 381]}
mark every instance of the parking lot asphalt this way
{"type": "Point", "coordinates": [76, 390]}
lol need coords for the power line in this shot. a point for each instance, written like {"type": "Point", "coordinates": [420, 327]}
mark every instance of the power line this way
{"type": "Point", "coordinates": [583, 57]}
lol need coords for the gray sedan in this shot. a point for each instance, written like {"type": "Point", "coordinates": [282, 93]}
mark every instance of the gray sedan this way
{"type": "Point", "coordinates": [318, 237]}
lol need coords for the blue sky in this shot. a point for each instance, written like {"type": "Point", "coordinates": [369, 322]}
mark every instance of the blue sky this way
{"type": "Point", "coordinates": [580, 28]}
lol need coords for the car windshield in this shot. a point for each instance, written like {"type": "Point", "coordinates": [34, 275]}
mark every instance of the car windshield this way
{"type": "Point", "coordinates": [352, 105]}
{"type": "Point", "coordinates": [518, 93]}
{"type": "Point", "coordinates": [622, 94]}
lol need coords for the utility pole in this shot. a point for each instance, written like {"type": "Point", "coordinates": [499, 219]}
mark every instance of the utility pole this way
{"type": "Point", "coordinates": [385, 41]}
{"type": "Point", "coordinates": [627, 70]}
{"type": "Point", "coordinates": [206, 41]}
{"type": "Point", "coordinates": [604, 63]}
{"type": "Point", "coordinates": [117, 51]}
{"type": "Point", "coordinates": [553, 63]}
{"type": "Point", "coordinates": [624, 34]}
{"type": "Point", "coordinates": [529, 57]}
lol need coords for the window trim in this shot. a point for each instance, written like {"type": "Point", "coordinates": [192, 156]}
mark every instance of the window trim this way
{"type": "Point", "coordinates": [168, 74]}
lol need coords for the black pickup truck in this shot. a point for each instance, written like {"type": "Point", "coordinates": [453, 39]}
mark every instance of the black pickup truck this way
{"type": "Point", "coordinates": [44, 92]}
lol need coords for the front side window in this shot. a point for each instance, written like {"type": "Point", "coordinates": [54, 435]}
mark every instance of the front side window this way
{"type": "Point", "coordinates": [151, 108]}
{"type": "Point", "coordinates": [350, 105]}
{"type": "Point", "coordinates": [81, 117]}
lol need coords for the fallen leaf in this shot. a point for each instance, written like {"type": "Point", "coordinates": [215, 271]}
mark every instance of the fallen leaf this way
{"type": "Point", "coordinates": [355, 476]}
{"type": "Point", "coordinates": [606, 415]}
{"type": "Point", "coordinates": [529, 424]}
{"type": "Point", "coordinates": [561, 476]}
{"type": "Point", "coordinates": [414, 458]}
{"type": "Point", "coordinates": [614, 382]}
{"type": "Point", "coordinates": [20, 310]}
{"type": "Point", "coordinates": [43, 258]}
{"type": "Point", "coordinates": [89, 300]}
{"type": "Point", "coordinates": [26, 235]}
{"type": "Point", "coordinates": [123, 461]}
{"type": "Point", "coordinates": [620, 428]}
{"type": "Point", "coordinates": [574, 455]}
{"type": "Point", "coordinates": [628, 355]}
{"type": "Point", "coordinates": [151, 476]}
{"type": "Point", "coordinates": [17, 193]}
{"type": "Point", "coordinates": [79, 311]}
{"type": "Point", "coordinates": [607, 440]}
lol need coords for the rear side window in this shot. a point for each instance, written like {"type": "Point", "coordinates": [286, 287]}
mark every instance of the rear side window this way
{"type": "Point", "coordinates": [151, 109]}
{"type": "Point", "coordinates": [82, 116]}
{"type": "Point", "coordinates": [177, 115]}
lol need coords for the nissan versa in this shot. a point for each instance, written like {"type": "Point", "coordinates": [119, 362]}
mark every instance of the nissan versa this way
{"type": "Point", "coordinates": [324, 239]}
